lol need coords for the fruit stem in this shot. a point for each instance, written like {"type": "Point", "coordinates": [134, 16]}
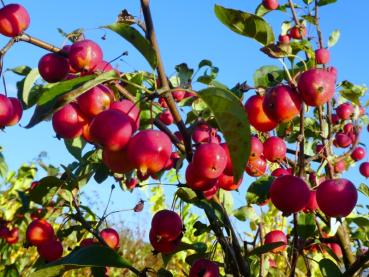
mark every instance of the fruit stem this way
{"type": "Point", "coordinates": [316, 19]}
{"type": "Point", "coordinates": [295, 18]}
{"type": "Point", "coordinates": [261, 236]}
{"type": "Point", "coordinates": [295, 250]}
{"type": "Point", "coordinates": [150, 34]}
{"type": "Point", "coordinates": [289, 77]}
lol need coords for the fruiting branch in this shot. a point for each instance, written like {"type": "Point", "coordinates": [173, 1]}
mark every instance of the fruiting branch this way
{"type": "Point", "coordinates": [150, 33]}
{"type": "Point", "coordinates": [360, 263]}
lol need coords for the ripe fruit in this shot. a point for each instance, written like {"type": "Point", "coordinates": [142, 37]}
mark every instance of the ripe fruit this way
{"type": "Point", "coordinates": [178, 95]}
{"type": "Point", "coordinates": [117, 161]}
{"type": "Point", "coordinates": [111, 237]}
{"type": "Point", "coordinates": [167, 225]}
{"type": "Point", "coordinates": [196, 182]}
{"type": "Point", "coordinates": [14, 19]}
{"type": "Point", "coordinates": [339, 166]}
{"type": "Point", "coordinates": [358, 153]}
{"type": "Point", "coordinates": [316, 86]}
{"type": "Point", "coordinates": [210, 160]}
{"type": "Point", "coordinates": [270, 4]}
{"type": "Point", "coordinates": [204, 268]}
{"type": "Point", "coordinates": [166, 117]}
{"type": "Point", "coordinates": [17, 111]}
{"type": "Point", "coordinates": [95, 100]}
{"type": "Point", "coordinates": [39, 231]}
{"type": "Point", "coordinates": [281, 103]}
{"type": "Point", "coordinates": [85, 55]}
{"type": "Point", "coordinates": [226, 182]}
{"type": "Point", "coordinates": [256, 167]}
{"type": "Point", "coordinates": [336, 248]}
{"type": "Point", "coordinates": [111, 129]}
{"type": "Point", "coordinates": [284, 39]}
{"type": "Point", "coordinates": [51, 250]}
{"type": "Point", "coordinates": [336, 198]}
{"type": "Point", "coordinates": [162, 245]}
{"type": "Point", "coordinates": [149, 151]}
{"type": "Point", "coordinates": [364, 169]}
{"type": "Point", "coordinates": [275, 149]}
{"type": "Point", "coordinates": [345, 111]}
{"type": "Point", "coordinates": [257, 147]}
{"type": "Point", "coordinates": [88, 242]}
{"type": "Point", "coordinates": [322, 56]}
{"type": "Point", "coordinates": [297, 32]}
{"type": "Point", "coordinates": [280, 172]}
{"type": "Point", "coordinates": [53, 67]}
{"type": "Point", "coordinates": [276, 236]}
{"type": "Point", "coordinates": [209, 194]}
{"type": "Point", "coordinates": [312, 205]}
{"type": "Point", "coordinates": [130, 109]}
{"type": "Point", "coordinates": [343, 140]}
{"type": "Point", "coordinates": [12, 236]}
{"type": "Point", "coordinates": [68, 122]}
{"type": "Point", "coordinates": [287, 185]}
{"type": "Point", "coordinates": [257, 116]}
{"type": "Point", "coordinates": [6, 110]}
{"type": "Point", "coordinates": [203, 133]}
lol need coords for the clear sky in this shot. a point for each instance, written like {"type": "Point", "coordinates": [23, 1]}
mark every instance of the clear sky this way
{"type": "Point", "coordinates": [188, 31]}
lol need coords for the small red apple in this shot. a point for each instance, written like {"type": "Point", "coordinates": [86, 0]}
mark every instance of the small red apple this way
{"type": "Point", "coordinates": [53, 67]}
{"type": "Point", "coordinates": [111, 237]}
{"type": "Point", "coordinates": [14, 19]}
{"type": "Point", "coordinates": [276, 236]}
{"type": "Point", "coordinates": [51, 250]}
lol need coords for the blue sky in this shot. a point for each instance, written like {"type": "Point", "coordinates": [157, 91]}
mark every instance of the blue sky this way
{"type": "Point", "coordinates": [188, 31]}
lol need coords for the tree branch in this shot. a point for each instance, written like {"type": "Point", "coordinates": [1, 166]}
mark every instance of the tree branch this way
{"type": "Point", "coordinates": [150, 33]}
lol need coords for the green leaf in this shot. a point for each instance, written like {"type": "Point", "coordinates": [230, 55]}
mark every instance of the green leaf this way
{"type": "Point", "coordinates": [333, 38]}
{"type": "Point", "coordinates": [184, 74]}
{"type": "Point", "coordinates": [91, 256]}
{"type": "Point", "coordinates": [245, 24]}
{"type": "Point", "coordinates": [200, 228]}
{"type": "Point", "coordinates": [364, 189]}
{"type": "Point", "coordinates": [136, 39]}
{"type": "Point", "coordinates": [267, 76]}
{"type": "Point", "coordinates": [308, 1]}
{"type": "Point", "coordinates": [245, 212]}
{"type": "Point", "coordinates": [306, 225]}
{"type": "Point", "coordinates": [22, 70]}
{"type": "Point", "coordinates": [258, 191]}
{"type": "Point", "coordinates": [326, 2]}
{"type": "Point", "coordinates": [10, 271]}
{"type": "Point", "coordinates": [329, 269]}
{"type": "Point", "coordinates": [232, 120]}
{"type": "Point", "coordinates": [75, 146]}
{"type": "Point", "coordinates": [28, 83]}
{"type": "Point", "coordinates": [265, 248]}
{"type": "Point", "coordinates": [56, 95]}
{"type": "Point", "coordinates": [45, 190]}
{"type": "Point", "coordinates": [3, 166]}
{"type": "Point", "coordinates": [186, 194]}
{"type": "Point", "coordinates": [164, 273]}
{"type": "Point", "coordinates": [352, 92]}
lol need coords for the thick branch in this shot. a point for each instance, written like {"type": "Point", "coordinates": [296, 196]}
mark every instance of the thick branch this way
{"type": "Point", "coordinates": [360, 263]}
{"type": "Point", "coordinates": [163, 78]}
{"type": "Point", "coordinates": [295, 18]}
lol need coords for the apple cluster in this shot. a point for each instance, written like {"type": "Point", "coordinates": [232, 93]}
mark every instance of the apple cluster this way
{"type": "Point", "coordinates": [41, 234]}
